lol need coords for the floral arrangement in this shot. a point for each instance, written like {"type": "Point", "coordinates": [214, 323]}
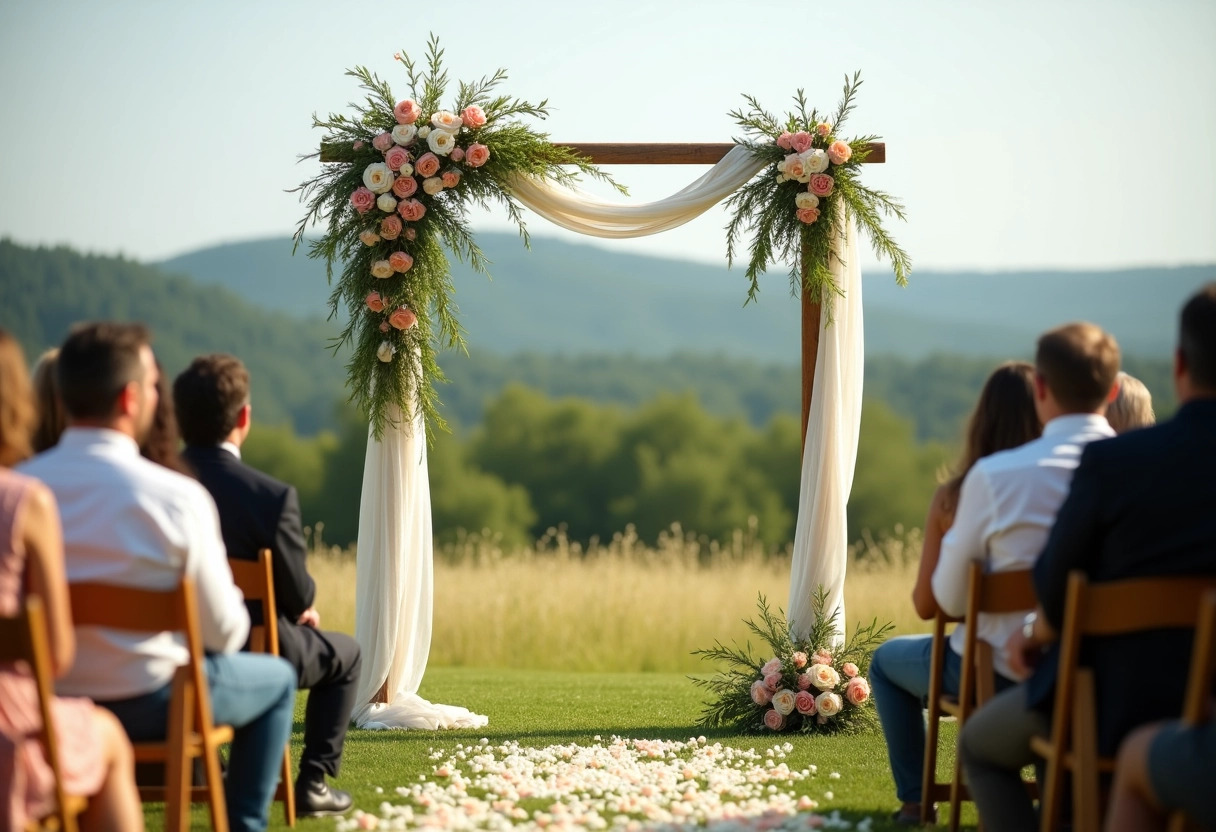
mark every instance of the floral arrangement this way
{"type": "Point", "coordinates": [808, 685]}
{"type": "Point", "coordinates": [407, 171]}
{"type": "Point", "coordinates": [795, 208]}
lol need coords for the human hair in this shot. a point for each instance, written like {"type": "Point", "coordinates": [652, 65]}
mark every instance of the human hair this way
{"type": "Point", "coordinates": [51, 418]}
{"type": "Point", "coordinates": [1132, 407]}
{"type": "Point", "coordinates": [17, 412]}
{"type": "Point", "coordinates": [1078, 362]}
{"type": "Point", "coordinates": [96, 362]}
{"type": "Point", "coordinates": [1197, 337]}
{"type": "Point", "coordinates": [163, 443]}
{"type": "Point", "coordinates": [208, 397]}
{"type": "Point", "coordinates": [1004, 417]}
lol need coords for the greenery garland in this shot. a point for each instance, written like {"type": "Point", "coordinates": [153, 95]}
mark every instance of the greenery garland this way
{"type": "Point", "coordinates": [407, 173]}
{"type": "Point", "coordinates": [794, 210]}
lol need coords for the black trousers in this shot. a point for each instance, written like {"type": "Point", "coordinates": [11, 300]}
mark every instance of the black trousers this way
{"type": "Point", "coordinates": [327, 665]}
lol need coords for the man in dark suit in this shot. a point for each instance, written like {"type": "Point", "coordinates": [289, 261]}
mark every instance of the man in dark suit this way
{"type": "Point", "coordinates": [1142, 504]}
{"type": "Point", "coordinates": [211, 398]}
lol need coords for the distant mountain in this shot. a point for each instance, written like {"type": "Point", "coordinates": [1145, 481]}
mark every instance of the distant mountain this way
{"type": "Point", "coordinates": [568, 298]}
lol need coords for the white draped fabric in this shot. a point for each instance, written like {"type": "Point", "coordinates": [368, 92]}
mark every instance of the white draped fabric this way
{"type": "Point", "coordinates": [821, 539]}
{"type": "Point", "coordinates": [394, 579]}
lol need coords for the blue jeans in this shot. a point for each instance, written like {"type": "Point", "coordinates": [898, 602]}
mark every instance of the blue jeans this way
{"type": "Point", "coordinates": [253, 693]}
{"type": "Point", "coordinates": [899, 676]}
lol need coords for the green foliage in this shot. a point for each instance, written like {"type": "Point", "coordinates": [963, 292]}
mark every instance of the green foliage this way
{"type": "Point", "coordinates": [467, 499]}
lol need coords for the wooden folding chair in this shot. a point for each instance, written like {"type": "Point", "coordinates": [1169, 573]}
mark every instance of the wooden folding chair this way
{"type": "Point", "coordinates": [23, 638]}
{"type": "Point", "coordinates": [990, 593]}
{"type": "Point", "coordinates": [255, 579]}
{"type": "Point", "coordinates": [1199, 683]}
{"type": "Point", "coordinates": [191, 732]}
{"type": "Point", "coordinates": [1103, 609]}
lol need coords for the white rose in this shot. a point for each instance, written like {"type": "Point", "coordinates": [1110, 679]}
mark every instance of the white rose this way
{"type": "Point", "coordinates": [386, 203]}
{"type": "Point", "coordinates": [783, 701]}
{"type": "Point", "coordinates": [407, 169]}
{"type": "Point", "coordinates": [403, 134]}
{"type": "Point", "coordinates": [781, 177]}
{"type": "Point", "coordinates": [806, 199]}
{"type": "Point", "coordinates": [432, 184]}
{"type": "Point", "coordinates": [377, 177]}
{"type": "Point", "coordinates": [441, 142]}
{"type": "Point", "coordinates": [382, 269]}
{"type": "Point", "coordinates": [824, 676]}
{"type": "Point", "coordinates": [385, 353]}
{"type": "Point", "coordinates": [443, 120]}
{"type": "Point", "coordinates": [828, 704]}
{"type": "Point", "coordinates": [815, 160]}
{"type": "Point", "coordinates": [423, 131]}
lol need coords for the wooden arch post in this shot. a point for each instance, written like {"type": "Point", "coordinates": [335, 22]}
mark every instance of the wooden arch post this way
{"type": "Point", "coordinates": [710, 154]}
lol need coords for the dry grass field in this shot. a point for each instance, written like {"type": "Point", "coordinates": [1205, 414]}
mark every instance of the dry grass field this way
{"type": "Point", "coordinates": [620, 606]}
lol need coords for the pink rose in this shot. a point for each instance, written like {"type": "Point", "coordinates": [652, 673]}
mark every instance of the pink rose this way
{"type": "Point", "coordinates": [857, 691]}
{"type": "Point", "coordinates": [411, 234]}
{"type": "Point", "coordinates": [839, 152]}
{"type": "Point", "coordinates": [427, 165]}
{"type": "Point", "coordinates": [358, 144]}
{"type": "Point", "coordinates": [400, 261]}
{"type": "Point", "coordinates": [473, 117]}
{"type": "Point", "coordinates": [404, 186]}
{"type": "Point", "coordinates": [773, 720]}
{"type": "Point", "coordinates": [382, 142]}
{"type": "Point", "coordinates": [402, 318]}
{"type": "Point", "coordinates": [804, 703]}
{"type": "Point", "coordinates": [457, 154]}
{"type": "Point", "coordinates": [396, 157]}
{"type": "Point", "coordinates": [771, 666]}
{"type": "Point", "coordinates": [772, 681]}
{"type": "Point", "coordinates": [823, 128]}
{"type": "Point", "coordinates": [375, 302]}
{"type": "Point", "coordinates": [477, 155]}
{"type": "Point", "coordinates": [407, 111]}
{"type": "Point", "coordinates": [821, 184]}
{"type": "Point", "coordinates": [801, 141]}
{"type": "Point", "coordinates": [363, 200]}
{"type": "Point", "coordinates": [849, 669]}
{"type": "Point", "coordinates": [390, 227]}
{"type": "Point", "coordinates": [804, 681]}
{"type": "Point", "coordinates": [783, 141]}
{"type": "Point", "coordinates": [822, 656]}
{"type": "Point", "coordinates": [807, 215]}
{"type": "Point", "coordinates": [799, 659]}
{"type": "Point", "coordinates": [411, 210]}
{"type": "Point", "coordinates": [451, 178]}
{"type": "Point", "coordinates": [384, 327]}
{"type": "Point", "coordinates": [761, 695]}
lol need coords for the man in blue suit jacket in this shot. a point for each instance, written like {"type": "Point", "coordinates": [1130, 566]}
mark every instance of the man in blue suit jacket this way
{"type": "Point", "coordinates": [1142, 504]}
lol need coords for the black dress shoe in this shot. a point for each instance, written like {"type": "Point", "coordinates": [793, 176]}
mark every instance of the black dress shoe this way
{"type": "Point", "coordinates": [317, 799]}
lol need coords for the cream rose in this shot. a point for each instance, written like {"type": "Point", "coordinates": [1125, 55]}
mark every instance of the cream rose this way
{"type": "Point", "coordinates": [386, 203]}
{"type": "Point", "coordinates": [815, 161]}
{"type": "Point", "coordinates": [444, 120]}
{"type": "Point", "coordinates": [385, 353]}
{"type": "Point", "coordinates": [432, 185]}
{"type": "Point", "coordinates": [441, 142]}
{"type": "Point", "coordinates": [378, 177]}
{"type": "Point", "coordinates": [824, 676]}
{"type": "Point", "coordinates": [424, 131]}
{"type": "Point", "coordinates": [828, 704]}
{"type": "Point", "coordinates": [369, 237]}
{"type": "Point", "coordinates": [403, 134]}
{"type": "Point", "coordinates": [382, 269]}
{"type": "Point", "coordinates": [805, 199]}
{"type": "Point", "coordinates": [783, 701]}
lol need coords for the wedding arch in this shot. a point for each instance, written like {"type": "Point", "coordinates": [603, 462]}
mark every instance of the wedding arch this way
{"type": "Point", "coordinates": [397, 182]}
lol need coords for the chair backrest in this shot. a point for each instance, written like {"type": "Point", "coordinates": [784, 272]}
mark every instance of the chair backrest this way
{"type": "Point", "coordinates": [150, 611]}
{"type": "Point", "coordinates": [255, 579]}
{"type": "Point", "coordinates": [989, 593]}
{"type": "Point", "coordinates": [24, 638]}
{"type": "Point", "coordinates": [1203, 663]}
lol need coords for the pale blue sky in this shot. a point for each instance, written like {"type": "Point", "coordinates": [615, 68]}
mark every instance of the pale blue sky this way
{"type": "Point", "coordinates": [1019, 134]}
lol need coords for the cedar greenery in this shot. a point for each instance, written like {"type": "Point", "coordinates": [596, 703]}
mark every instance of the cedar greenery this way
{"type": "Point", "coordinates": [732, 704]}
{"type": "Point", "coordinates": [765, 209]}
{"type": "Point", "coordinates": [408, 381]}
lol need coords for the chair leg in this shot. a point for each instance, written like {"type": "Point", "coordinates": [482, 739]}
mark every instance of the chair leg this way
{"type": "Point", "coordinates": [1087, 807]}
{"type": "Point", "coordinates": [929, 776]}
{"type": "Point", "coordinates": [1049, 806]}
{"type": "Point", "coordinates": [217, 802]}
{"type": "Point", "coordinates": [177, 767]}
{"type": "Point", "coordinates": [287, 792]}
{"type": "Point", "coordinates": [957, 795]}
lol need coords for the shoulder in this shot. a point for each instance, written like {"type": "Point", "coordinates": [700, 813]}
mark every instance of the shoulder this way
{"type": "Point", "coordinates": [217, 466]}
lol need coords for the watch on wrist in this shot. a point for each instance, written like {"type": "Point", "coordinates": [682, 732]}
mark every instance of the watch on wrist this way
{"type": "Point", "coordinates": [1028, 626]}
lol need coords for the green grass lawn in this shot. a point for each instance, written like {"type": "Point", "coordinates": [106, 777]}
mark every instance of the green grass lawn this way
{"type": "Point", "coordinates": [546, 708]}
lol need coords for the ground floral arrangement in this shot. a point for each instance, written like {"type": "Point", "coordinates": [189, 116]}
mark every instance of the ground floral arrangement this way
{"type": "Point", "coordinates": [810, 684]}
{"type": "Point", "coordinates": [622, 784]}
{"type": "Point", "coordinates": [405, 172]}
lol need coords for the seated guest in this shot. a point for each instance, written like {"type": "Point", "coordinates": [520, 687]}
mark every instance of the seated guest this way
{"type": "Point", "coordinates": [1164, 767]}
{"type": "Point", "coordinates": [95, 756]}
{"type": "Point", "coordinates": [1004, 418]}
{"type": "Point", "coordinates": [259, 512]}
{"type": "Point", "coordinates": [130, 522]}
{"type": "Point", "coordinates": [1132, 408]}
{"type": "Point", "coordinates": [1140, 505]}
{"type": "Point", "coordinates": [51, 421]}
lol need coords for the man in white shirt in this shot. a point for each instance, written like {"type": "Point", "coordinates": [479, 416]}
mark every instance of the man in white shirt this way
{"type": "Point", "coordinates": [131, 522]}
{"type": "Point", "coordinates": [1007, 505]}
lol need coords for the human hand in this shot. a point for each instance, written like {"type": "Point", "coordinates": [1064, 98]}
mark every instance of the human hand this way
{"type": "Point", "coordinates": [1022, 654]}
{"type": "Point", "coordinates": [309, 618]}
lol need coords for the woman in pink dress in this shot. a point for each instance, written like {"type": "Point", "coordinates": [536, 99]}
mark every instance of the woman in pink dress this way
{"type": "Point", "coordinates": [95, 756]}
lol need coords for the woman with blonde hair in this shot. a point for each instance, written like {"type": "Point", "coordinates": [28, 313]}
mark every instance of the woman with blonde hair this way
{"type": "Point", "coordinates": [95, 756]}
{"type": "Point", "coordinates": [1132, 407]}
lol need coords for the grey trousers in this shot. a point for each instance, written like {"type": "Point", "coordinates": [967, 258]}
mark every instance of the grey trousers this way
{"type": "Point", "coordinates": [994, 745]}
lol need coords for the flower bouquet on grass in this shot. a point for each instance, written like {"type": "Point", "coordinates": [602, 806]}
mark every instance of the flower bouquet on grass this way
{"type": "Point", "coordinates": [805, 685]}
